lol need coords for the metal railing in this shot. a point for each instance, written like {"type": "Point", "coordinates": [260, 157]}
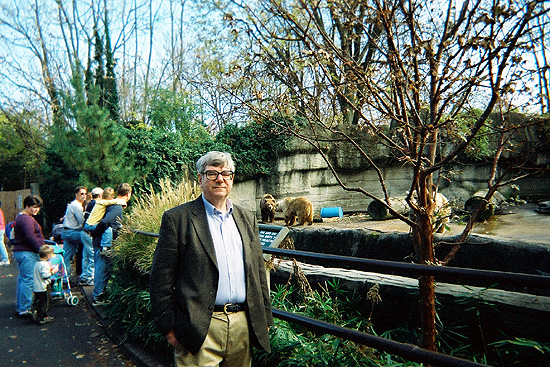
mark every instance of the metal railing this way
{"type": "Point", "coordinates": [443, 273]}
{"type": "Point", "coordinates": [407, 351]}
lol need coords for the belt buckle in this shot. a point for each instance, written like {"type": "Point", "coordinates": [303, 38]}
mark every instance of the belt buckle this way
{"type": "Point", "coordinates": [225, 308]}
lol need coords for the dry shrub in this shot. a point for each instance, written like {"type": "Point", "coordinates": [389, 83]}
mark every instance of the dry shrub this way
{"type": "Point", "coordinates": [137, 249]}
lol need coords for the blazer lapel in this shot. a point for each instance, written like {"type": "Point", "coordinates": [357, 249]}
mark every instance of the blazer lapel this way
{"type": "Point", "coordinates": [200, 223]}
{"type": "Point", "coordinates": [240, 221]}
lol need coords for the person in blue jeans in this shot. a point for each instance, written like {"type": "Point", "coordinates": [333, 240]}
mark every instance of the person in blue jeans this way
{"type": "Point", "coordinates": [111, 219]}
{"type": "Point", "coordinates": [72, 226]}
{"type": "Point", "coordinates": [26, 246]}
{"type": "Point", "coordinates": [98, 212]}
{"type": "Point", "coordinates": [88, 264]}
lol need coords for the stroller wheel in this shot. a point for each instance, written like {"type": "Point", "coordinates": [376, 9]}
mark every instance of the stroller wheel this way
{"type": "Point", "coordinates": [72, 301]}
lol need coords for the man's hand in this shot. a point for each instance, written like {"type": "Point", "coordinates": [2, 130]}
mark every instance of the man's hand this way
{"type": "Point", "coordinates": [171, 338]}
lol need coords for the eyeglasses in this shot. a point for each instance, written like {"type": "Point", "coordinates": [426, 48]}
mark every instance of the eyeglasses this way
{"type": "Point", "coordinates": [213, 175]}
{"type": "Point", "coordinates": [82, 193]}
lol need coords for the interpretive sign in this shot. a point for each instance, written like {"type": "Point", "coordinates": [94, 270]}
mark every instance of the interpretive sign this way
{"type": "Point", "coordinates": [272, 236]}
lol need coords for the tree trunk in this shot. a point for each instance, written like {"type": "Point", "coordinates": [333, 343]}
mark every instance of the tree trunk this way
{"type": "Point", "coordinates": [424, 238]}
{"type": "Point", "coordinates": [49, 82]}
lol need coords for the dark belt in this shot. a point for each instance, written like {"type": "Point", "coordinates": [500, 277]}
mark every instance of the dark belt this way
{"type": "Point", "coordinates": [230, 307]}
{"type": "Point", "coordinates": [72, 229]}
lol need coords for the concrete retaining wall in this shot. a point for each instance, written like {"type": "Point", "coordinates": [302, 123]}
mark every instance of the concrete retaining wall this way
{"type": "Point", "coordinates": [307, 174]}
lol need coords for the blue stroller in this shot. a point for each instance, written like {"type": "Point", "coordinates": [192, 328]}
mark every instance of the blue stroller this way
{"type": "Point", "coordinates": [61, 288]}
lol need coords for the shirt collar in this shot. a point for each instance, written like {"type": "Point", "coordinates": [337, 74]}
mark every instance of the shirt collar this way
{"type": "Point", "coordinates": [211, 210]}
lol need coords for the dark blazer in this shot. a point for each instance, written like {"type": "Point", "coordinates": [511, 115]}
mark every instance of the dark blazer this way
{"type": "Point", "coordinates": [184, 276]}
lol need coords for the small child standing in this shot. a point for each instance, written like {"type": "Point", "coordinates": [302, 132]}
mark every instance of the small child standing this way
{"type": "Point", "coordinates": [43, 270]}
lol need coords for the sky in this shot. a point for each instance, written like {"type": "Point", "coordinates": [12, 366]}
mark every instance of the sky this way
{"type": "Point", "coordinates": [130, 26]}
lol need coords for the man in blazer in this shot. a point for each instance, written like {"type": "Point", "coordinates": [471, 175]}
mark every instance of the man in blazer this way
{"type": "Point", "coordinates": [208, 286]}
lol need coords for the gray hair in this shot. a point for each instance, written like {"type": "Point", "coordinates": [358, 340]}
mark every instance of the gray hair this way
{"type": "Point", "coordinates": [216, 159]}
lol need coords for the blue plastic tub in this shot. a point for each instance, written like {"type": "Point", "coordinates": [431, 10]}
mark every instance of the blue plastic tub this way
{"type": "Point", "coordinates": [332, 212]}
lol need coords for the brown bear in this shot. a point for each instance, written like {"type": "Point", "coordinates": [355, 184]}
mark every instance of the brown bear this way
{"type": "Point", "coordinates": [299, 207]}
{"type": "Point", "coordinates": [267, 208]}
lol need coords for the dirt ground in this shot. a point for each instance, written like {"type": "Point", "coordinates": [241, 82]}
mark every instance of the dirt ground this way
{"type": "Point", "coordinates": [519, 222]}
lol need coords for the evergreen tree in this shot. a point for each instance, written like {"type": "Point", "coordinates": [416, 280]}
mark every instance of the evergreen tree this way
{"type": "Point", "coordinates": [99, 76]}
{"type": "Point", "coordinates": [91, 142]}
{"type": "Point", "coordinates": [88, 78]}
{"type": "Point", "coordinates": [111, 93]}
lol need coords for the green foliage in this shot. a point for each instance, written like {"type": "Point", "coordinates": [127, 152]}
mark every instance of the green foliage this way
{"type": "Point", "coordinates": [160, 155]}
{"type": "Point", "coordinates": [57, 183]}
{"type": "Point", "coordinates": [86, 147]}
{"type": "Point", "coordinates": [12, 175]}
{"type": "Point", "coordinates": [520, 351]}
{"type": "Point", "coordinates": [294, 345]}
{"type": "Point", "coordinates": [472, 336]}
{"type": "Point", "coordinates": [91, 142]}
{"type": "Point", "coordinates": [175, 112]}
{"type": "Point", "coordinates": [167, 148]}
{"type": "Point", "coordinates": [130, 309]}
{"type": "Point", "coordinates": [21, 149]}
{"type": "Point", "coordinates": [255, 147]}
{"type": "Point", "coordinates": [99, 75]}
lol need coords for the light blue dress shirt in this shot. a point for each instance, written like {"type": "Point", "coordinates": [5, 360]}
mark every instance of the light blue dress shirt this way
{"type": "Point", "coordinates": [229, 254]}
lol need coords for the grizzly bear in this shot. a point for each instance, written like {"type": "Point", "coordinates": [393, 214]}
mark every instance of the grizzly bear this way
{"type": "Point", "coordinates": [267, 208]}
{"type": "Point", "coordinates": [293, 208]}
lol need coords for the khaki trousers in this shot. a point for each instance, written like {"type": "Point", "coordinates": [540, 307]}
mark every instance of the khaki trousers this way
{"type": "Point", "coordinates": [227, 344]}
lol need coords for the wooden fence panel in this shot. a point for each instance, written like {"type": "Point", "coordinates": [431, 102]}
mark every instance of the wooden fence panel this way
{"type": "Point", "coordinates": [12, 202]}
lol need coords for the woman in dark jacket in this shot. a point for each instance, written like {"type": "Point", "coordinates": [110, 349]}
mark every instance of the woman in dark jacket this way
{"type": "Point", "coordinates": [26, 244]}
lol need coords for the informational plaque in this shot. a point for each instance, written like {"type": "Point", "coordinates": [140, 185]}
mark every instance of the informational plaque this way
{"type": "Point", "coordinates": [272, 236]}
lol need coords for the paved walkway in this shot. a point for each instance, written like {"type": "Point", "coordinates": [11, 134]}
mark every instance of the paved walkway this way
{"type": "Point", "coordinates": [76, 338]}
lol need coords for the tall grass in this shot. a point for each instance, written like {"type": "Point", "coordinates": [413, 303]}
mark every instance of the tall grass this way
{"type": "Point", "coordinates": [136, 249]}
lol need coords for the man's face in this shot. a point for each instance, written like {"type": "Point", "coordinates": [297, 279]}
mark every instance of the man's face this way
{"type": "Point", "coordinates": [81, 195]}
{"type": "Point", "coordinates": [218, 188]}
